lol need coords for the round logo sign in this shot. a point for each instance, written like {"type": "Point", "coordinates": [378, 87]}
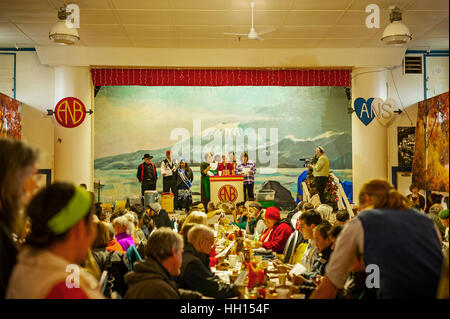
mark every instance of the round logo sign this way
{"type": "Point", "coordinates": [227, 193]}
{"type": "Point", "coordinates": [70, 112]}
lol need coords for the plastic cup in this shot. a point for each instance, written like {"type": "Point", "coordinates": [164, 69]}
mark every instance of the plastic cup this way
{"type": "Point", "coordinates": [232, 259]}
{"type": "Point", "coordinates": [282, 293]}
{"type": "Point", "coordinates": [282, 279]}
{"type": "Point", "coordinates": [233, 278]}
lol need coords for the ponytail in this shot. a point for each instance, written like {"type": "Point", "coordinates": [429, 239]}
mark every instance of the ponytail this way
{"type": "Point", "coordinates": [384, 195]}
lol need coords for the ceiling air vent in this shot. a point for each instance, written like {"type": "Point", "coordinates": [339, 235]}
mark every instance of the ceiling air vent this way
{"type": "Point", "coordinates": [412, 65]}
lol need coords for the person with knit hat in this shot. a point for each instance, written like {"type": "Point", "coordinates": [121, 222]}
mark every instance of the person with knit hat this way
{"type": "Point", "coordinates": [158, 215]}
{"type": "Point", "coordinates": [62, 231]}
{"type": "Point", "coordinates": [277, 232]}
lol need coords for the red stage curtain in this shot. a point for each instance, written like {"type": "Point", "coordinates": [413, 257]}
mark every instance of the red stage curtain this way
{"type": "Point", "coordinates": [215, 77]}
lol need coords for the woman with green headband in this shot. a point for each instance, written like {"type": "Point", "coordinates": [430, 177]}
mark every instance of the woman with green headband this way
{"type": "Point", "coordinates": [62, 231]}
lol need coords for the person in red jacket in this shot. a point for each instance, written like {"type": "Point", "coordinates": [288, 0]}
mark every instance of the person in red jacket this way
{"type": "Point", "coordinates": [277, 232]}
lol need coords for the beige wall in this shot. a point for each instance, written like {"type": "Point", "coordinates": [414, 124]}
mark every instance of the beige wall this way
{"type": "Point", "coordinates": [34, 88]}
{"type": "Point", "coordinates": [410, 90]}
{"type": "Point", "coordinates": [36, 80]}
{"type": "Point", "coordinates": [38, 130]}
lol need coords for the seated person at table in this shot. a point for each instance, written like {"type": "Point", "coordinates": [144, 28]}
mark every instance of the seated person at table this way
{"type": "Point", "coordinates": [291, 249]}
{"type": "Point", "coordinates": [195, 272]}
{"type": "Point", "coordinates": [62, 231]}
{"type": "Point", "coordinates": [324, 244]}
{"type": "Point", "coordinates": [255, 219]}
{"type": "Point", "coordinates": [443, 217]}
{"type": "Point", "coordinates": [308, 221]}
{"type": "Point", "coordinates": [159, 215]}
{"type": "Point", "coordinates": [196, 217]}
{"type": "Point", "coordinates": [277, 232]}
{"type": "Point", "coordinates": [403, 243]}
{"type": "Point", "coordinates": [333, 233]}
{"type": "Point", "coordinates": [342, 217]}
{"type": "Point", "coordinates": [314, 197]}
{"type": "Point", "coordinates": [417, 200]}
{"type": "Point", "coordinates": [434, 215]}
{"type": "Point", "coordinates": [196, 206]}
{"type": "Point", "coordinates": [152, 278]}
{"type": "Point", "coordinates": [123, 230]}
{"type": "Point", "coordinates": [240, 215]}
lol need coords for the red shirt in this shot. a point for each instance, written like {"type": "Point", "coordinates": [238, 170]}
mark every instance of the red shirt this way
{"type": "Point", "coordinates": [228, 166]}
{"type": "Point", "coordinates": [277, 238]}
{"type": "Point", "coordinates": [61, 291]}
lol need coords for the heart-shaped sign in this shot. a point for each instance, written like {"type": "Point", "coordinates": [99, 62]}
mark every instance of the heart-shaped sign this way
{"type": "Point", "coordinates": [384, 110]}
{"type": "Point", "coordinates": [363, 110]}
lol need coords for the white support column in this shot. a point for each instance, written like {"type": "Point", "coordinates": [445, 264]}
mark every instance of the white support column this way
{"type": "Point", "coordinates": [73, 146]}
{"type": "Point", "coordinates": [369, 143]}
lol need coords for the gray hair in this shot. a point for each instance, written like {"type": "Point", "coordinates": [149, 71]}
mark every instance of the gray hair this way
{"type": "Point", "coordinates": [124, 221]}
{"type": "Point", "coordinates": [132, 217]}
{"type": "Point", "coordinates": [156, 207]}
{"type": "Point", "coordinates": [16, 161]}
{"type": "Point", "coordinates": [325, 211]}
{"type": "Point", "coordinates": [198, 232]}
{"type": "Point", "coordinates": [161, 242]}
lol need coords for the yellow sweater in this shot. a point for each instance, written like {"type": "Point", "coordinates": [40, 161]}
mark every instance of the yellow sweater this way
{"type": "Point", "coordinates": [322, 167]}
{"type": "Point", "coordinates": [298, 254]}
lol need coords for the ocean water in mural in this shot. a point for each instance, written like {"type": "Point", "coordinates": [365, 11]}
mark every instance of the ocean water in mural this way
{"type": "Point", "coordinates": [276, 126]}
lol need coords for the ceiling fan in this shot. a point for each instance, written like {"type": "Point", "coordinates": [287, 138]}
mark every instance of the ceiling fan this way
{"type": "Point", "coordinates": [252, 35]}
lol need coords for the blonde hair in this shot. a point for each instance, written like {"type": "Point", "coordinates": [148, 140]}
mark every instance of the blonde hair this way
{"type": "Point", "coordinates": [383, 195]}
{"type": "Point", "coordinates": [196, 217]}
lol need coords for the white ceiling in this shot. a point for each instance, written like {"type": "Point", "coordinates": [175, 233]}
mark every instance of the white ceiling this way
{"type": "Point", "coordinates": [201, 23]}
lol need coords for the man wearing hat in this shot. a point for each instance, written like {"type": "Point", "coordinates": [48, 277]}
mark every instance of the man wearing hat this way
{"type": "Point", "coordinates": [321, 170]}
{"type": "Point", "coordinates": [147, 175]}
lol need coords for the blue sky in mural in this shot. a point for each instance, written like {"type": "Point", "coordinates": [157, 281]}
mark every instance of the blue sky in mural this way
{"type": "Point", "coordinates": [132, 118]}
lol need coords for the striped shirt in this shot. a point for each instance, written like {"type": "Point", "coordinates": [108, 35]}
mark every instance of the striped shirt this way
{"type": "Point", "coordinates": [248, 178]}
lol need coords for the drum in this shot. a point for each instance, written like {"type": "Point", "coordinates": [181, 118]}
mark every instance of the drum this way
{"type": "Point", "coordinates": [167, 202]}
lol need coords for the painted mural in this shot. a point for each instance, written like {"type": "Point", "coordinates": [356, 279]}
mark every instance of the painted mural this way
{"type": "Point", "coordinates": [10, 119]}
{"type": "Point", "coordinates": [276, 126]}
{"type": "Point", "coordinates": [431, 153]}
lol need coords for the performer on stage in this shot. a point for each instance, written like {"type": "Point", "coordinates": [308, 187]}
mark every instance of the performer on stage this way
{"type": "Point", "coordinates": [224, 167]}
{"type": "Point", "coordinates": [205, 173]}
{"type": "Point", "coordinates": [321, 170]}
{"type": "Point", "coordinates": [147, 175]}
{"type": "Point", "coordinates": [184, 182]}
{"type": "Point", "coordinates": [169, 173]}
{"type": "Point", "coordinates": [248, 170]}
